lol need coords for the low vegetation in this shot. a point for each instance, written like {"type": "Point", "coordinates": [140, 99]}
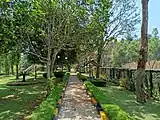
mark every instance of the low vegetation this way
{"type": "Point", "coordinates": [18, 101]}
{"type": "Point", "coordinates": [46, 109]}
{"type": "Point", "coordinates": [126, 100]}
{"type": "Point", "coordinates": [115, 100]}
{"type": "Point", "coordinates": [113, 111]}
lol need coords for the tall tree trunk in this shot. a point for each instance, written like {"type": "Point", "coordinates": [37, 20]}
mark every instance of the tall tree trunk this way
{"type": "Point", "coordinates": [12, 69]}
{"type": "Point", "coordinates": [98, 65]}
{"type": "Point", "coordinates": [24, 77]}
{"type": "Point", "coordinates": [48, 70]}
{"type": "Point", "coordinates": [49, 45]}
{"type": "Point", "coordinates": [90, 72]}
{"type": "Point", "coordinates": [48, 67]}
{"type": "Point", "coordinates": [49, 49]}
{"type": "Point", "coordinates": [17, 76]}
{"type": "Point", "coordinates": [69, 67]}
{"type": "Point", "coordinates": [0, 70]}
{"type": "Point", "coordinates": [7, 66]}
{"type": "Point", "coordinates": [140, 73]}
{"type": "Point", "coordinates": [53, 61]}
{"type": "Point", "coordinates": [0, 67]}
{"type": "Point", "coordinates": [99, 56]}
{"type": "Point", "coordinates": [35, 72]}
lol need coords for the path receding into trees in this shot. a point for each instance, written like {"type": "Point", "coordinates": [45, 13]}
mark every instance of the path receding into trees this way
{"type": "Point", "coordinates": [76, 103]}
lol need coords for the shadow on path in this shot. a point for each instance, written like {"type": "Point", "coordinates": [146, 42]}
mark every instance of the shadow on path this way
{"type": "Point", "coordinates": [76, 103]}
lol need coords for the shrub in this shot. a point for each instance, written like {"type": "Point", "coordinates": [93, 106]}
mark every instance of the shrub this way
{"type": "Point", "coordinates": [123, 82]}
{"type": "Point", "coordinates": [98, 82]}
{"type": "Point", "coordinates": [128, 84]}
{"type": "Point", "coordinates": [59, 74]}
{"type": "Point", "coordinates": [115, 112]}
{"type": "Point", "coordinates": [52, 82]}
{"type": "Point", "coordinates": [82, 77]}
{"type": "Point", "coordinates": [66, 77]}
{"type": "Point", "coordinates": [56, 74]}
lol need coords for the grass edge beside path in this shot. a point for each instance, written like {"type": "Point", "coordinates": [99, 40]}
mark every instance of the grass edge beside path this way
{"type": "Point", "coordinates": [125, 99]}
{"type": "Point", "coordinates": [45, 111]}
{"type": "Point", "coordinates": [113, 111]}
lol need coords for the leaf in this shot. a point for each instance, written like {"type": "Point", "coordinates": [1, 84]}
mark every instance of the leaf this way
{"type": "Point", "coordinates": [89, 1]}
{"type": "Point", "coordinates": [8, 0]}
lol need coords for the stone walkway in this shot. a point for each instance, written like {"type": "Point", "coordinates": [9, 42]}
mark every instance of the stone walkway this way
{"type": "Point", "coordinates": [76, 103]}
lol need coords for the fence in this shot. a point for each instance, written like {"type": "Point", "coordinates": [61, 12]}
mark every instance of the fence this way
{"type": "Point", "coordinates": [152, 78]}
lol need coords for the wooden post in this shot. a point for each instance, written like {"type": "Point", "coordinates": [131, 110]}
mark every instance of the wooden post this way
{"type": "Point", "coordinates": [110, 73]}
{"type": "Point", "coordinates": [147, 86]}
{"type": "Point", "coordinates": [101, 70]}
{"type": "Point", "coordinates": [24, 75]}
{"type": "Point", "coordinates": [17, 72]}
{"type": "Point", "coordinates": [113, 73]}
{"type": "Point", "coordinates": [131, 75]}
{"type": "Point", "coordinates": [151, 83]}
{"type": "Point", "coordinates": [115, 70]}
{"type": "Point", "coordinates": [128, 74]}
{"type": "Point", "coordinates": [106, 72]}
{"type": "Point", "coordinates": [35, 72]}
{"type": "Point", "coordinates": [146, 80]}
{"type": "Point", "coordinates": [119, 74]}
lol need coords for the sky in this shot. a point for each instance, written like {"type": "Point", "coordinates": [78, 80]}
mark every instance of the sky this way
{"type": "Point", "coordinates": [154, 15]}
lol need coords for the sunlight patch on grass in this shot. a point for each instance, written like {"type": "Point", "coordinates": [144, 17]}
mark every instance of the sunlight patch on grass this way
{"type": "Point", "coordinates": [126, 100]}
{"type": "Point", "coordinates": [9, 96]}
{"type": "Point", "coordinates": [18, 101]}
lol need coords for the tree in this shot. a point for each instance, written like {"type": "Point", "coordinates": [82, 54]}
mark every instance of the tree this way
{"type": "Point", "coordinates": [155, 33]}
{"type": "Point", "coordinates": [66, 56]}
{"type": "Point", "coordinates": [122, 52]}
{"type": "Point", "coordinates": [59, 25]}
{"type": "Point", "coordinates": [98, 19]}
{"type": "Point", "coordinates": [153, 48]}
{"type": "Point", "coordinates": [140, 73]}
{"type": "Point", "coordinates": [123, 18]}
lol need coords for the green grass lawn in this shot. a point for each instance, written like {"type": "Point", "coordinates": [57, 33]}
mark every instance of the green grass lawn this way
{"type": "Point", "coordinates": [126, 100]}
{"type": "Point", "coordinates": [19, 101]}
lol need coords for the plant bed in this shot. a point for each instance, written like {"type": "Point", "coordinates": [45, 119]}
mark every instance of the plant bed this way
{"type": "Point", "coordinates": [98, 83]}
{"type": "Point", "coordinates": [20, 83]}
{"type": "Point", "coordinates": [56, 74]}
{"type": "Point", "coordinates": [59, 74]}
{"type": "Point", "coordinates": [82, 77]}
{"type": "Point", "coordinates": [58, 80]}
{"type": "Point", "coordinates": [45, 110]}
{"type": "Point", "coordinates": [113, 111]}
{"type": "Point", "coordinates": [48, 109]}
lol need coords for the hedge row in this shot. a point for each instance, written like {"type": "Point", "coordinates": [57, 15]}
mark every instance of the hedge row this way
{"type": "Point", "coordinates": [97, 82]}
{"type": "Point", "coordinates": [82, 77]}
{"type": "Point", "coordinates": [113, 111]}
{"type": "Point", "coordinates": [59, 74]}
{"type": "Point", "coordinates": [45, 111]}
